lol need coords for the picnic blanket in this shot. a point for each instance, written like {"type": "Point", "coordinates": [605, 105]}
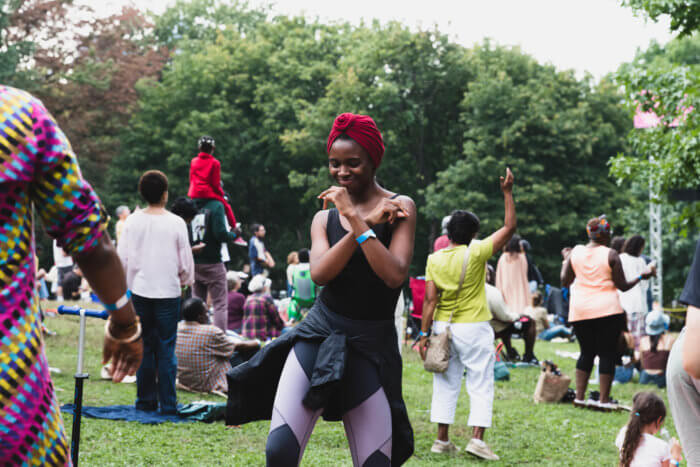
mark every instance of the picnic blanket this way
{"type": "Point", "coordinates": [202, 411]}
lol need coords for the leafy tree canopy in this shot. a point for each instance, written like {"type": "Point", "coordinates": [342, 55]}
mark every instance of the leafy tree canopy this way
{"type": "Point", "coordinates": [685, 14]}
{"type": "Point", "coordinates": [555, 132]}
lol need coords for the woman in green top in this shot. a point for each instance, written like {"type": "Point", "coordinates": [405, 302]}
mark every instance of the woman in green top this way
{"type": "Point", "coordinates": [461, 305]}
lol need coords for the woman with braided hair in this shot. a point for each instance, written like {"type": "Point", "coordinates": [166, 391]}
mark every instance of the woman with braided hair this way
{"type": "Point", "coordinates": [342, 361]}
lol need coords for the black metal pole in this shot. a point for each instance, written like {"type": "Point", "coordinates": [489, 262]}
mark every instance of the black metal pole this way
{"type": "Point", "coordinates": [77, 414]}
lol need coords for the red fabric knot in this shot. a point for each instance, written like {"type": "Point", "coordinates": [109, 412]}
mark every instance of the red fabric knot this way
{"type": "Point", "coordinates": [363, 130]}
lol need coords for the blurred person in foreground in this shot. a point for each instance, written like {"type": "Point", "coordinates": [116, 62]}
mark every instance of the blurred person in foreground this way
{"type": "Point", "coordinates": [683, 370]}
{"type": "Point", "coordinates": [40, 168]}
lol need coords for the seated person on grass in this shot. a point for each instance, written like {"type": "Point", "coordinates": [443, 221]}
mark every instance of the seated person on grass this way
{"type": "Point", "coordinates": [74, 285]}
{"type": "Point", "coordinates": [655, 348]}
{"type": "Point", "coordinates": [506, 323]}
{"type": "Point", "coordinates": [204, 351]}
{"type": "Point", "coordinates": [545, 331]}
{"type": "Point", "coordinates": [304, 290]}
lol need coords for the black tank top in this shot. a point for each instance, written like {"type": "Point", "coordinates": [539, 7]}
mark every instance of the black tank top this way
{"type": "Point", "coordinates": [357, 292]}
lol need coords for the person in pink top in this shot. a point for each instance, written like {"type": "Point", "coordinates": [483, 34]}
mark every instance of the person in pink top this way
{"type": "Point", "coordinates": [594, 274]}
{"type": "Point", "coordinates": [511, 277]}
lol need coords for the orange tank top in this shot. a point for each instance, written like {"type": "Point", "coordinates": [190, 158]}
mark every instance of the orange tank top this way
{"type": "Point", "coordinates": [593, 293]}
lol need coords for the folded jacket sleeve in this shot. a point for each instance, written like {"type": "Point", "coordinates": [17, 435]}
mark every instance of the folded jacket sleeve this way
{"type": "Point", "coordinates": [67, 205]}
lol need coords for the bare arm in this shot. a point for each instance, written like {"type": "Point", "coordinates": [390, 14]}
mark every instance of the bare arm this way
{"type": "Point", "coordinates": [691, 344]}
{"type": "Point", "coordinates": [567, 274]}
{"type": "Point", "coordinates": [391, 264]}
{"type": "Point", "coordinates": [103, 270]}
{"type": "Point", "coordinates": [326, 262]}
{"type": "Point", "coordinates": [618, 274]}
{"type": "Point", "coordinates": [510, 222]}
{"type": "Point", "coordinates": [429, 305]}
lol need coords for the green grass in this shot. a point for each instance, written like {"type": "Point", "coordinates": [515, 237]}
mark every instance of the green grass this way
{"type": "Point", "coordinates": [522, 432]}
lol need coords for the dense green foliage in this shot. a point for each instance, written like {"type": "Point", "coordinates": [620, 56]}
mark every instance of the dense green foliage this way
{"type": "Point", "coordinates": [685, 14]}
{"type": "Point", "coordinates": [557, 133]}
{"type": "Point", "coordinates": [138, 91]}
{"type": "Point", "coordinates": [269, 90]}
{"type": "Point", "coordinates": [665, 80]}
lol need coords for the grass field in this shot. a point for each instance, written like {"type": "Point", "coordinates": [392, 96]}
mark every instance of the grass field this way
{"type": "Point", "coordinates": [522, 432]}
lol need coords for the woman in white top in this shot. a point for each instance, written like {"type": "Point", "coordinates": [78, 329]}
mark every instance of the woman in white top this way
{"type": "Point", "coordinates": [634, 300]}
{"type": "Point", "coordinates": [156, 254]}
{"type": "Point", "coordinates": [636, 441]}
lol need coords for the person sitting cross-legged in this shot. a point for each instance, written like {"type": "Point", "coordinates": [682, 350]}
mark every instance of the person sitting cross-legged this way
{"type": "Point", "coordinates": [204, 351]}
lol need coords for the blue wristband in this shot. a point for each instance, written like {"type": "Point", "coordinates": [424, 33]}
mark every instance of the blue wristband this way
{"type": "Point", "coordinates": [119, 303]}
{"type": "Point", "coordinates": [366, 236]}
{"type": "Point", "coordinates": [423, 334]}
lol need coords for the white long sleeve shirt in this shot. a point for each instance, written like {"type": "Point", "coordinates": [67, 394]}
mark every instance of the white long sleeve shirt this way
{"type": "Point", "coordinates": [156, 254]}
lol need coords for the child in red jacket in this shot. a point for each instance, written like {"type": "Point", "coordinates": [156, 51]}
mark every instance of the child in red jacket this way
{"type": "Point", "coordinates": [205, 177]}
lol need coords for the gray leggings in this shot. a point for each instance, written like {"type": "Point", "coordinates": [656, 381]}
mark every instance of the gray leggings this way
{"type": "Point", "coordinates": [367, 416]}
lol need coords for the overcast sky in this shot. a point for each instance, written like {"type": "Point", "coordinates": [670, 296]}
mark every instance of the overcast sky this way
{"type": "Point", "coordinates": [592, 35]}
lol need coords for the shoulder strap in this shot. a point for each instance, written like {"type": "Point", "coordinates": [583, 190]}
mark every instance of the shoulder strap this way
{"type": "Point", "coordinates": [461, 277]}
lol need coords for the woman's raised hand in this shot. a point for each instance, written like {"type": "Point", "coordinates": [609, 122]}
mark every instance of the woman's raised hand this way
{"type": "Point", "coordinates": [507, 182]}
{"type": "Point", "coordinates": [341, 198]}
{"type": "Point", "coordinates": [388, 210]}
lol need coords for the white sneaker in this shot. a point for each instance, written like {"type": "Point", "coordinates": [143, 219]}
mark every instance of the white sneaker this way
{"type": "Point", "coordinates": [106, 372]}
{"type": "Point", "coordinates": [440, 447]}
{"type": "Point", "coordinates": [480, 449]}
{"type": "Point", "coordinates": [129, 379]}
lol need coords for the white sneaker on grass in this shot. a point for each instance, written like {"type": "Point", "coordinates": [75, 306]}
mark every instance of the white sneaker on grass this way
{"type": "Point", "coordinates": [440, 447]}
{"type": "Point", "coordinates": [480, 449]}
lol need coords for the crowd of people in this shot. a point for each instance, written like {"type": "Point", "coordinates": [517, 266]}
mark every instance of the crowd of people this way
{"type": "Point", "coordinates": [180, 319]}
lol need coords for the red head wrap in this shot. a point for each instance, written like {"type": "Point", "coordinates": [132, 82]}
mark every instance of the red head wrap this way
{"type": "Point", "coordinates": [363, 130]}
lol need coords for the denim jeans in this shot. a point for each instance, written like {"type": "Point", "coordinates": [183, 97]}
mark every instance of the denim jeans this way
{"type": "Point", "coordinates": [646, 378]}
{"type": "Point", "coordinates": [557, 330]}
{"type": "Point", "coordinates": [155, 378]}
{"type": "Point", "coordinates": [623, 374]}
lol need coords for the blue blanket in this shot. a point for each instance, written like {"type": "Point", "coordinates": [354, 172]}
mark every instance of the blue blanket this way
{"type": "Point", "coordinates": [126, 412]}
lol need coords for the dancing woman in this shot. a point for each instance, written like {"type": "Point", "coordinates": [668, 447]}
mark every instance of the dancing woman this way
{"type": "Point", "coordinates": [342, 361]}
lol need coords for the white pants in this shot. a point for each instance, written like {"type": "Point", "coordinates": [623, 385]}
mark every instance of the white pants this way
{"type": "Point", "coordinates": [471, 347]}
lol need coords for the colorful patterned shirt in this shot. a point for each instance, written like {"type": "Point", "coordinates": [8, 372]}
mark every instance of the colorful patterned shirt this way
{"type": "Point", "coordinates": [203, 356]}
{"type": "Point", "coordinates": [260, 318]}
{"type": "Point", "coordinates": [37, 166]}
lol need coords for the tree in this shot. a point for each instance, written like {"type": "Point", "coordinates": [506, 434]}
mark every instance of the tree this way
{"type": "Point", "coordinates": [89, 82]}
{"type": "Point", "coordinates": [685, 15]}
{"type": "Point", "coordinates": [203, 20]}
{"type": "Point", "coordinates": [556, 132]}
{"type": "Point", "coordinates": [245, 91]}
{"type": "Point", "coordinates": [664, 80]}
